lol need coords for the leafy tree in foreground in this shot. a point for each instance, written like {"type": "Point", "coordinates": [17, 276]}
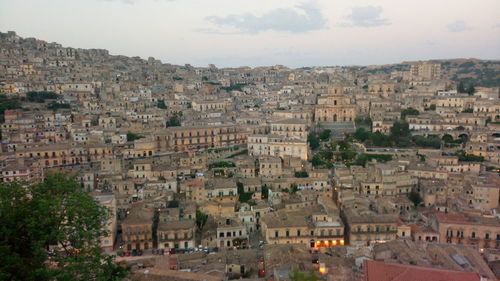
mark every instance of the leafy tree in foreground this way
{"type": "Point", "coordinates": [51, 231]}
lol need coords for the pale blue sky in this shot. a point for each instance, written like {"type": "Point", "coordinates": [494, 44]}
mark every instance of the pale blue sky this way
{"type": "Point", "coordinates": [265, 32]}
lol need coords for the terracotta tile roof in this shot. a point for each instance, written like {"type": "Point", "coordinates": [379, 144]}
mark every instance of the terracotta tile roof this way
{"type": "Point", "coordinates": [381, 271]}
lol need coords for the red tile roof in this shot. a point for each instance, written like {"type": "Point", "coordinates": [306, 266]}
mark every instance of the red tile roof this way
{"type": "Point", "coordinates": [381, 271]}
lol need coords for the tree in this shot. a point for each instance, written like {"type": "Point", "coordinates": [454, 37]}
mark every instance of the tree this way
{"type": "Point", "coordinates": [414, 197]}
{"type": "Point", "coordinates": [243, 196]}
{"type": "Point", "coordinates": [133, 137]}
{"type": "Point", "coordinates": [7, 104]}
{"type": "Point", "coordinates": [400, 130]}
{"type": "Point", "coordinates": [313, 141]}
{"type": "Point", "coordinates": [447, 138]}
{"type": "Point", "coordinates": [201, 219]}
{"type": "Point", "coordinates": [51, 231]}
{"type": "Point", "coordinates": [174, 121]}
{"type": "Point", "coordinates": [301, 174]}
{"type": "Point", "coordinates": [361, 135]}
{"type": "Point", "coordinates": [173, 204]}
{"type": "Point", "coordinates": [265, 192]}
{"type": "Point", "coordinates": [40, 97]}
{"type": "Point", "coordinates": [299, 276]}
{"type": "Point", "coordinates": [471, 90]}
{"type": "Point", "coordinates": [161, 104]}
{"type": "Point", "coordinates": [325, 135]}
{"type": "Point", "coordinates": [409, 111]}
{"type": "Point", "coordinates": [461, 87]}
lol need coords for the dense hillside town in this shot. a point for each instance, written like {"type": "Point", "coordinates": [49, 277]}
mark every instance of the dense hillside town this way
{"type": "Point", "coordinates": [268, 172]}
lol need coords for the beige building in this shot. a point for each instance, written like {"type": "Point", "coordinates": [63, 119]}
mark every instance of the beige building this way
{"type": "Point", "coordinates": [137, 230]}
{"type": "Point", "coordinates": [425, 71]}
{"type": "Point", "coordinates": [277, 145]}
{"type": "Point", "coordinates": [467, 229]}
{"type": "Point", "coordinates": [179, 234]}
{"type": "Point", "coordinates": [231, 233]}
{"type": "Point", "coordinates": [290, 128]}
{"type": "Point", "coordinates": [334, 107]}
{"type": "Point", "coordinates": [108, 201]}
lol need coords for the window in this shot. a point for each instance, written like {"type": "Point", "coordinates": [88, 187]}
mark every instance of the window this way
{"type": "Point", "coordinates": [288, 233]}
{"type": "Point", "coordinates": [276, 234]}
{"type": "Point", "coordinates": [473, 235]}
{"type": "Point", "coordinates": [298, 232]}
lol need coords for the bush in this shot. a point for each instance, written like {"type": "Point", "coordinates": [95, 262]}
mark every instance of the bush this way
{"type": "Point", "coordinates": [415, 197]}
{"type": "Point", "coordinates": [40, 97]}
{"type": "Point", "coordinates": [56, 105]}
{"type": "Point", "coordinates": [133, 137]}
{"type": "Point", "coordinates": [161, 104]}
{"type": "Point", "coordinates": [222, 164]}
{"type": "Point", "coordinates": [362, 159]}
{"type": "Point", "coordinates": [313, 141]}
{"type": "Point", "coordinates": [173, 204]}
{"type": "Point", "coordinates": [409, 111]}
{"type": "Point", "coordinates": [301, 174]}
{"type": "Point", "coordinates": [325, 135]}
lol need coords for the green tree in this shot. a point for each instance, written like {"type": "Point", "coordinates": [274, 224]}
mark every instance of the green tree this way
{"type": "Point", "coordinates": [173, 121]}
{"type": "Point", "coordinates": [408, 111]}
{"type": "Point", "coordinates": [8, 104]}
{"type": "Point", "coordinates": [447, 138]}
{"type": "Point", "coordinates": [173, 204]}
{"type": "Point", "coordinates": [56, 215]}
{"type": "Point", "coordinates": [361, 135]}
{"type": "Point", "coordinates": [265, 192]}
{"type": "Point", "coordinates": [301, 174]}
{"type": "Point", "coordinates": [243, 196]}
{"type": "Point", "coordinates": [415, 197]}
{"type": "Point", "coordinates": [313, 141]}
{"type": "Point", "coordinates": [400, 129]}
{"type": "Point", "coordinates": [133, 137]}
{"type": "Point", "coordinates": [325, 135]}
{"type": "Point", "coordinates": [40, 97]}
{"type": "Point", "coordinates": [201, 219]}
{"type": "Point", "coordinates": [299, 276]}
{"type": "Point", "coordinates": [461, 87]}
{"type": "Point", "coordinates": [161, 104]}
{"type": "Point", "coordinates": [471, 90]}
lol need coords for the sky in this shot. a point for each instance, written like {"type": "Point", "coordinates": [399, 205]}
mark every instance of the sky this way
{"type": "Point", "coordinates": [294, 33]}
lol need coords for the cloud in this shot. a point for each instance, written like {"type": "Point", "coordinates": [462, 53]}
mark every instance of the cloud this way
{"type": "Point", "coordinates": [299, 19]}
{"type": "Point", "coordinates": [458, 26]}
{"type": "Point", "coordinates": [123, 1]}
{"type": "Point", "coordinates": [368, 16]}
{"type": "Point", "coordinates": [431, 42]}
{"type": "Point", "coordinates": [130, 2]}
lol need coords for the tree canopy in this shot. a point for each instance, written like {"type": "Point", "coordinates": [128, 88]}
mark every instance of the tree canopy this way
{"type": "Point", "coordinates": [409, 111]}
{"type": "Point", "coordinates": [51, 231]}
